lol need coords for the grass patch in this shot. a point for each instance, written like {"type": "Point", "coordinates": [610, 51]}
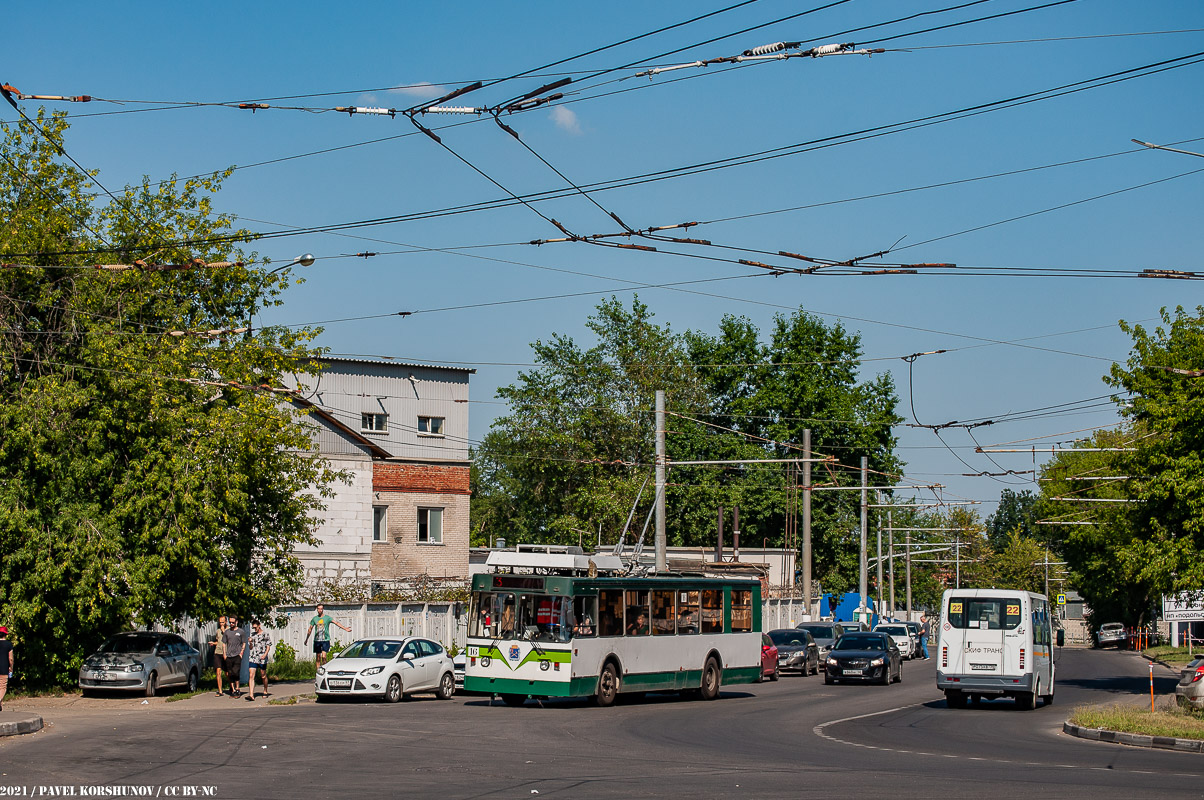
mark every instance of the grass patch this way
{"type": "Point", "coordinates": [291, 700]}
{"type": "Point", "coordinates": [1166, 719]}
{"type": "Point", "coordinates": [1175, 656]}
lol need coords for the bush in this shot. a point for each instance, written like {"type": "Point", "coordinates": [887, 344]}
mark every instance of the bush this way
{"type": "Point", "coordinates": [284, 654]}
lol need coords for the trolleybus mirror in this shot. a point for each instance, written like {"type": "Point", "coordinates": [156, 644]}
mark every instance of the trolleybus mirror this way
{"type": "Point", "coordinates": [1061, 637]}
{"type": "Point", "coordinates": [458, 609]}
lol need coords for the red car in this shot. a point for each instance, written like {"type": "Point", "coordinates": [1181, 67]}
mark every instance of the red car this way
{"type": "Point", "coordinates": [769, 658]}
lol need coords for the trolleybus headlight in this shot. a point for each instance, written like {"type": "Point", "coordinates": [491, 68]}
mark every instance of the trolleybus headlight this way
{"type": "Point", "coordinates": [486, 661]}
{"type": "Point", "coordinates": [544, 665]}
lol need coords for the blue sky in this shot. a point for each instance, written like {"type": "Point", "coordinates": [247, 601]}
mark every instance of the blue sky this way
{"type": "Point", "coordinates": [855, 198]}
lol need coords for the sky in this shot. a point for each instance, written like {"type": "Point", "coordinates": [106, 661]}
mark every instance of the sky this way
{"type": "Point", "coordinates": [1001, 146]}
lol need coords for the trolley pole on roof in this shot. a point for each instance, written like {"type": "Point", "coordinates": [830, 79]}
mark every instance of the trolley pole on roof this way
{"type": "Point", "coordinates": [661, 562]}
{"type": "Point", "coordinates": [807, 521]}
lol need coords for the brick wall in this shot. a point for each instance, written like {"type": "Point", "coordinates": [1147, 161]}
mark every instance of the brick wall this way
{"type": "Point", "coordinates": [429, 478]}
{"type": "Point", "coordinates": [403, 556]}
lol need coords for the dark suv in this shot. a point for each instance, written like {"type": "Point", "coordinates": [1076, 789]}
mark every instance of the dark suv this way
{"type": "Point", "coordinates": [825, 635]}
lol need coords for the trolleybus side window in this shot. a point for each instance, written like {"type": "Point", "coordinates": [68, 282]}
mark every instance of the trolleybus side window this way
{"type": "Point", "coordinates": [610, 612]}
{"type": "Point", "coordinates": [495, 615]}
{"type": "Point", "coordinates": [742, 610]}
{"type": "Point", "coordinates": [712, 611]}
{"type": "Point", "coordinates": [637, 612]}
{"type": "Point", "coordinates": [663, 618]}
{"type": "Point", "coordinates": [585, 616]}
{"type": "Point", "coordinates": [687, 612]}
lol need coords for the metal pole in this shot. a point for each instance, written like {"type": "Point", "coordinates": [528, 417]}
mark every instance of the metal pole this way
{"type": "Point", "coordinates": [861, 580]}
{"type": "Point", "coordinates": [957, 555]}
{"type": "Point", "coordinates": [807, 521]}
{"type": "Point", "coordinates": [735, 533]}
{"type": "Point", "coordinates": [661, 562]}
{"type": "Point", "coordinates": [908, 576]}
{"type": "Point", "coordinates": [719, 538]}
{"type": "Point", "coordinates": [878, 588]}
{"type": "Point", "coordinates": [1047, 571]}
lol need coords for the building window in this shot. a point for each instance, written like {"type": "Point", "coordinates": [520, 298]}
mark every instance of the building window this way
{"type": "Point", "coordinates": [430, 426]}
{"type": "Point", "coordinates": [380, 528]}
{"type": "Point", "coordinates": [430, 526]}
{"type": "Point", "coordinates": [376, 423]}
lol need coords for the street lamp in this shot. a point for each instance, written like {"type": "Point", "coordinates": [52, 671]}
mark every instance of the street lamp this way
{"type": "Point", "coordinates": [305, 260]}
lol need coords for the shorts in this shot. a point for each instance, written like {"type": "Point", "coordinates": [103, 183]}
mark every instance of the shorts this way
{"type": "Point", "coordinates": [321, 646]}
{"type": "Point", "coordinates": [262, 666]}
{"type": "Point", "coordinates": [234, 665]}
{"type": "Point", "coordinates": [219, 661]}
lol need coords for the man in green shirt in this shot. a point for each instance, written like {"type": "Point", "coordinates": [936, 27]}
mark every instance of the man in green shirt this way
{"type": "Point", "coordinates": [319, 626]}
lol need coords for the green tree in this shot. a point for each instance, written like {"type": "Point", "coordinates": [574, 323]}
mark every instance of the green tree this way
{"type": "Point", "coordinates": [1019, 564]}
{"type": "Point", "coordinates": [137, 483]}
{"type": "Point", "coordinates": [1015, 512]}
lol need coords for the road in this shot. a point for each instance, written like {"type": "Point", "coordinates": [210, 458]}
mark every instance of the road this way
{"type": "Point", "coordinates": [793, 738]}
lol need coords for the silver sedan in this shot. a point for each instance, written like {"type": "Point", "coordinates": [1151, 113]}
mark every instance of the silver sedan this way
{"type": "Point", "coordinates": [141, 661]}
{"type": "Point", "coordinates": [390, 668]}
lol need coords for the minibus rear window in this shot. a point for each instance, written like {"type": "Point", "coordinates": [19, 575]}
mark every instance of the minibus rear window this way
{"type": "Point", "coordinates": [984, 613]}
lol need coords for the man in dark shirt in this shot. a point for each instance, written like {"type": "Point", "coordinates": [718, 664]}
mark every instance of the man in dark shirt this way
{"type": "Point", "coordinates": [236, 645]}
{"type": "Point", "coordinates": [6, 663]}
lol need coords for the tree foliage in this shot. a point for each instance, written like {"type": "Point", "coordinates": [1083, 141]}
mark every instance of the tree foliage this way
{"type": "Point", "coordinates": [130, 491]}
{"type": "Point", "coordinates": [568, 460]}
{"type": "Point", "coordinates": [1018, 564]}
{"type": "Point", "coordinates": [1014, 513]}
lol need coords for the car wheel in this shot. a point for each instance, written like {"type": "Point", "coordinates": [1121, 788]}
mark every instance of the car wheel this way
{"type": "Point", "coordinates": [773, 676]}
{"type": "Point", "coordinates": [321, 698]}
{"type": "Point", "coordinates": [152, 684]}
{"type": "Point", "coordinates": [393, 689]}
{"type": "Point", "coordinates": [1026, 701]}
{"type": "Point", "coordinates": [899, 675]}
{"type": "Point", "coordinates": [514, 699]}
{"type": "Point", "coordinates": [886, 678]}
{"type": "Point", "coordinates": [447, 687]}
{"type": "Point", "coordinates": [712, 677]}
{"type": "Point", "coordinates": [815, 669]}
{"type": "Point", "coordinates": [192, 681]}
{"type": "Point", "coordinates": [827, 679]}
{"type": "Point", "coordinates": [608, 686]}
{"type": "Point", "coordinates": [1047, 699]}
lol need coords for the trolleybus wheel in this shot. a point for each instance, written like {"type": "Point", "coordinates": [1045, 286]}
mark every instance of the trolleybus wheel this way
{"type": "Point", "coordinates": [608, 686]}
{"type": "Point", "coordinates": [955, 698]}
{"type": "Point", "coordinates": [514, 699]}
{"type": "Point", "coordinates": [711, 678]}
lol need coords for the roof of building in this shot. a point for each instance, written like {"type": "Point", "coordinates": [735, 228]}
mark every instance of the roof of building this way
{"type": "Point", "coordinates": [388, 361]}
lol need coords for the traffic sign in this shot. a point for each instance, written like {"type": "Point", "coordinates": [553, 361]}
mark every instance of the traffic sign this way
{"type": "Point", "coordinates": [1061, 599]}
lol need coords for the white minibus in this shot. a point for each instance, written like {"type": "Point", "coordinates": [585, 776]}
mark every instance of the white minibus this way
{"type": "Point", "coordinates": [996, 642]}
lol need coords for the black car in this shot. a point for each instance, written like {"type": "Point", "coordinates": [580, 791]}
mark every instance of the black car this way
{"type": "Point", "coordinates": [796, 650]}
{"type": "Point", "coordinates": [864, 656]}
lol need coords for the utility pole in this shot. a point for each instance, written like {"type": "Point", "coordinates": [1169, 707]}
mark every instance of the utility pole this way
{"type": "Point", "coordinates": [661, 561]}
{"type": "Point", "coordinates": [865, 502]}
{"type": "Point", "coordinates": [807, 521]}
{"type": "Point", "coordinates": [878, 589]}
{"type": "Point", "coordinates": [908, 543]}
{"type": "Point", "coordinates": [957, 556]}
{"type": "Point", "coordinates": [890, 546]}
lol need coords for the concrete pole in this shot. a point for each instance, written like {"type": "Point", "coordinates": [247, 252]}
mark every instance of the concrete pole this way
{"type": "Point", "coordinates": [890, 549]}
{"type": "Point", "coordinates": [878, 590]}
{"type": "Point", "coordinates": [908, 555]}
{"type": "Point", "coordinates": [807, 520]}
{"type": "Point", "coordinates": [661, 562]}
{"type": "Point", "coordinates": [865, 503]}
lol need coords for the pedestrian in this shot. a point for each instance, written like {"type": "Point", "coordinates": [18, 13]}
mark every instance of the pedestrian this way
{"type": "Point", "coordinates": [6, 663]}
{"type": "Point", "coordinates": [258, 646]}
{"type": "Point", "coordinates": [924, 634]}
{"type": "Point", "coordinates": [219, 652]}
{"type": "Point", "coordinates": [319, 626]}
{"type": "Point", "coordinates": [236, 647]}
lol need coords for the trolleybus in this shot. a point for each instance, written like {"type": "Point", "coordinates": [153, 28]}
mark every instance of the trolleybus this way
{"type": "Point", "coordinates": [551, 621]}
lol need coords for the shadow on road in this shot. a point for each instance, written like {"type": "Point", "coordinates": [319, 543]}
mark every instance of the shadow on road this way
{"type": "Point", "coordinates": [630, 699]}
{"type": "Point", "coordinates": [1122, 684]}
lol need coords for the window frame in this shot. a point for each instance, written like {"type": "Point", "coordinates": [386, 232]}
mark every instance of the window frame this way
{"type": "Point", "coordinates": [380, 524]}
{"type": "Point", "coordinates": [434, 434]}
{"type": "Point", "coordinates": [428, 542]}
{"type": "Point", "coordinates": [374, 416]}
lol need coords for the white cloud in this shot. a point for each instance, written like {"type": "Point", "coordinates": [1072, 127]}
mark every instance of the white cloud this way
{"type": "Point", "coordinates": [422, 90]}
{"type": "Point", "coordinates": [566, 120]}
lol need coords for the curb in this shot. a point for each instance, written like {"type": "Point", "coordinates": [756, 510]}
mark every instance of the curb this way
{"type": "Point", "coordinates": [31, 724]}
{"type": "Point", "coordinates": [1134, 739]}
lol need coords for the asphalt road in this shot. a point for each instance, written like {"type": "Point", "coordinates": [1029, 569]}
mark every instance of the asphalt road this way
{"type": "Point", "coordinates": [793, 738]}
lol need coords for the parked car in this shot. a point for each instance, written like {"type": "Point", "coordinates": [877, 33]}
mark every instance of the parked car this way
{"type": "Point", "coordinates": [898, 631]}
{"type": "Point", "coordinates": [141, 661]}
{"type": "Point", "coordinates": [1190, 691]}
{"type": "Point", "coordinates": [825, 635]}
{"type": "Point", "coordinates": [864, 656]}
{"type": "Point", "coordinates": [388, 668]}
{"type": "Point", "coordinates": [769, 658]}
{"type": "Point", "coordinates": [1111, 634]}
{"type": "Point", "coordinates": [853, 626]}
{"type": "Point", "coordinates": [796, 650]}
{"type": "Point", "coordinates": [914, 629]}
{"type": "Point", "coordinates": [459, 663]}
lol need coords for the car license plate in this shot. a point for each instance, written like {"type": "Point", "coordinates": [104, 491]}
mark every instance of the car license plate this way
{"type": "Point", "coordinates": [95, 674]}
{"type": "Point", "coordinates": [852, 672]}
{"type": "Point", "coordinates": [339, 683]}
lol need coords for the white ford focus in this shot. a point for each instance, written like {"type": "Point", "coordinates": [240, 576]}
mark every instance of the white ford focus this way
{"type": "Point", "coordinates": [390, 668]}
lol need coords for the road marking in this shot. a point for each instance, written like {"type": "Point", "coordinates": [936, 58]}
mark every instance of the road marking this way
{"type": "Point", "coordinates": [819, 730]}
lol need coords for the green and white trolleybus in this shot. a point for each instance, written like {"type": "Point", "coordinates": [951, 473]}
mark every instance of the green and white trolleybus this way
{"type": "Point", "coordinates": [549, 621]}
